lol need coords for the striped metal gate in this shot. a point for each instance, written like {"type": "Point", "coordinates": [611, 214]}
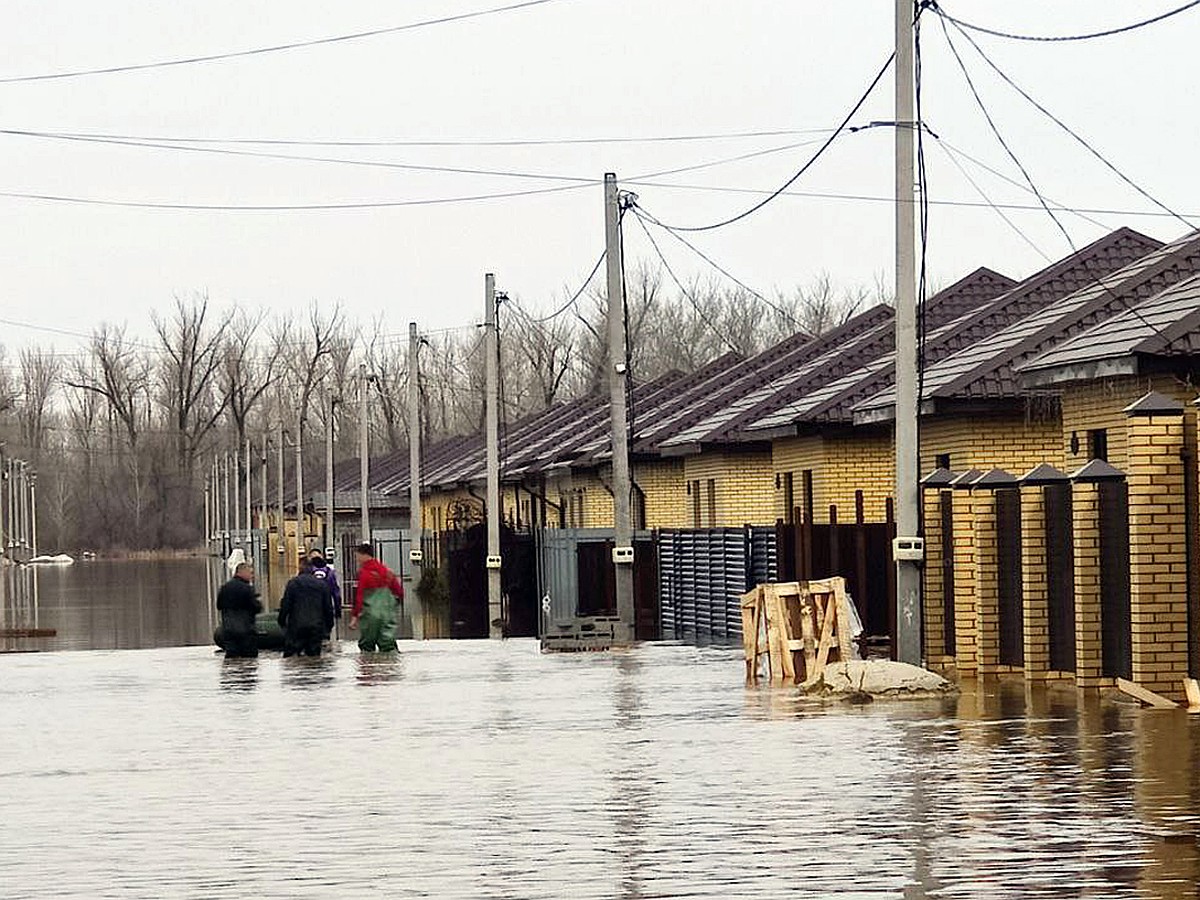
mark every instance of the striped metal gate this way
{"type": "Point", "coordinates": [702, 575]}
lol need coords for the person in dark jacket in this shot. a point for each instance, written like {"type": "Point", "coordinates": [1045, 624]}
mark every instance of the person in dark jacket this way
{"type": "Point", "coordinates": [322, 569]}
{"type": "Point", "coordinates": [305, 614]}
{"type": "Point", "coordinates": [238, 603]}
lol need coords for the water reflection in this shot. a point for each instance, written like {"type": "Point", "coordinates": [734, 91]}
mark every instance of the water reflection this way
{"type": "Point", "coordinates": [239, 674]}
{"type": "Point", "coordinates": [485, 769]}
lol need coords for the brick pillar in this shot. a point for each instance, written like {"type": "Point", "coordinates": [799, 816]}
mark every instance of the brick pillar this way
{"type": "Point", "coordinates": [965, 611]}
{"type": "Point", "coordinates": [1158, 553]}
{"type": "Point", "coordinates": [1033, 582]}
{"type": "Point", "coordinates": [983, 511]}
{"type": "Point", "coordinates": [935, 650]}
{"type": "Point", "coordinates": [1086, 527]}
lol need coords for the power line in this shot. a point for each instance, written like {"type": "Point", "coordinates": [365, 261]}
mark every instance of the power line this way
{"type": "Point", "coordinates": [466, 142]}
{"type": "Point", "coordinates": [1059, 122]}
{"type": "Point", "coordinates": [1098, 280]}
{"type": "Point", "coordinates": [704, 317]}
{"type": "Point", "coordinates": [825, 145]}
{"type": "Point", "coordinates": [1082, 211]}
{"type": "Point", "coordinates": [640, 212]}
{"type": "Point", "coordinates": [275, 48]}
{"type": "Point", "coordinates": [287, 207]}
{"type": "Point", "coordinates": [1122, 29]}
{"type": "Point", "coordinates": [574, 297]}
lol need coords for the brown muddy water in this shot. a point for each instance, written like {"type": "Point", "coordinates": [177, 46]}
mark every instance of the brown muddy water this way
{"type": "Point", "coordinates": [477, 769]}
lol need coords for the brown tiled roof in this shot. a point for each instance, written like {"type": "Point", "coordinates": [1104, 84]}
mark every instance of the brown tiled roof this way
{"type": "Point", "coordinates": [984, 347]}
{"type": "Point", "coordinates": [837, 359]}
{"type": "Point", "coordinates": [1165, 326]}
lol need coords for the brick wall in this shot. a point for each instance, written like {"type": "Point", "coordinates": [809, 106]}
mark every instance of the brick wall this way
{"type": "Point", "coordinates": [1035, 593]}
{"type": "Point", "coordinates": [665, 491]}
{"type": "Point", "coordinates": [1015, 443]}
{"type": "Point", "coordinates": [742, 485]}
{"type": "Point", "coordinates": [1100, 404]}
{"type": "Point", "coordinates": [1088, 654]}
{"type": "Point", "coordinates": [1158, 552]}
{"type": "Point", "coordinates": [965, 585]}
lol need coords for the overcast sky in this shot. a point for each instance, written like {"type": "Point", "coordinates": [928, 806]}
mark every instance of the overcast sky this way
{"type": "Point", "coordinates": [565, 69]}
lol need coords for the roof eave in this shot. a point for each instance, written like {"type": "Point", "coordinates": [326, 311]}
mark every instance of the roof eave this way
{"type": "Point", "coordinates": [1080, 371]}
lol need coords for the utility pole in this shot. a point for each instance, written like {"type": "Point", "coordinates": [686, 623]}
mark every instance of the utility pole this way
{"type": "Point", "coordinates": [225, 471]}
{"type": "Point", "coordinates": [279, 489]}
{"type": "Point", "coordinates": [907, 550]}
{"type": "Point", "coordinates": [235, 470]}
{"type": "Point", "coordinates": [300, 521]}
{"type": "Point", "coordinates": [491, 345]}
{"type": "Point", "coordinates": [207, 514]}
{"type": "Point", "coordinates": [416, 544]}
{"type": "Point", "coordinates": [262, 474]}
{"type": "Point", "coordinates": [33, 514]}
{"type": "Point", "coordinates": [364, 458]}
{"type": "Point", "coordinates": [330, 506]}
{"type": "Point", "coordinates": [618, 374]}
{"type": "Point", "coordinates": [249, 502]}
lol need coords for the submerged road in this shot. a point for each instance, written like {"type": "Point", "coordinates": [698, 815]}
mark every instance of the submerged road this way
{"type": "Point", "coordinates": [476, 769]}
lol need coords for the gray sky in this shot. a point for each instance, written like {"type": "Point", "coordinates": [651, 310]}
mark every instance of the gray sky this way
{"type": "Point", "coordinates": [567, 69]}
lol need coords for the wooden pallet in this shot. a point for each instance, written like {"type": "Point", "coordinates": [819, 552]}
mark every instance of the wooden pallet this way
{"type": "Point", "coordinates": [800, 627]}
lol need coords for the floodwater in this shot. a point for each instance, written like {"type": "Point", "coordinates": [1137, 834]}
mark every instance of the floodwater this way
{"type": "Point", "coordinates": [486, 769]}
{"type": "Point", "coordinates": [110, 604]}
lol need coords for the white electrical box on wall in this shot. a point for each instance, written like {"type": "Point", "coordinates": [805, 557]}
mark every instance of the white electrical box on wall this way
{"type": "Point", "coordinates": [493, 562]}
{"type": "Point", "coordinates": [416, 556]}
{"type": "Point", "coordinates": [622, 555]}
{"type": "Point", "coordinates": [909, 549]}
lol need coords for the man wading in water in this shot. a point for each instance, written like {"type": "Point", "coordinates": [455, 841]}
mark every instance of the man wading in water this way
{"type": "Point", "coordinates": [379, 593]}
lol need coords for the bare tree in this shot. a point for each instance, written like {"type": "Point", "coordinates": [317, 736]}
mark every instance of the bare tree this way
{"type": "Point", "coordinates": [39, 379]}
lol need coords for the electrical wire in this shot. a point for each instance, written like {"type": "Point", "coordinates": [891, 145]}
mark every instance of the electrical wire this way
{"type": "Point", "coordinates": [825, 145]}
{"type": "Point", "coordinates": [704, 317]}
{"type": "Point", "coordinates": [275, 48]}
{"type": "Point", "coordinates": [1098, 280]}
{"type": "Point", "coordinates": [466, 142]}
{"type": "Point", "coordinates": [1070, 131]}
{"type": "Point", "coordinates": [540, 320]}
{"type": "Point", "coordinates": [1109, 32]}
{"type": "Point", "coordinates": [779, 310]}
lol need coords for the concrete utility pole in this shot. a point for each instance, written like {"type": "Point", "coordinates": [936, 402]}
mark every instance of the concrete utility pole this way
{"type": "Point", "coordinates": [235, 468]}
{"type": "Point", "coordinates": [25, 505]}
{"type": "Point", "coordinates": [364, 459]}
{"type": "Point", "coordinates": [414, 445]}
{"type": "Point", "coordinates": [249, 502]}
{"type": "Point", "coordinates": [262, 474]}
{"type": "Point", "coordinates": [330, 507]}
{"type": "Point", "coordinates": [33, 514]}
{"type": "Point", "coordinates": [207, 513]}
{"type": "Point", "coordinates": [225, 474]}
{"type": "Point", "coordinates": [491, 346]}
{"type": "Point", "coordinates": [906, 549]}
{"type": "Point", "coordinates": [618, 373]}
{"type": "Point", "coordinates": [279, 489]}
{"type": "Point", "coordinates": [300, 548]}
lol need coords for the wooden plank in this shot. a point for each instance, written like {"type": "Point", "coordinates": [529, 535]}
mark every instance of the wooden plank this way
{"type": "Point", "coordinates": [808, 638]}
{"type": "Point", "coordinates": [826, 635]}
{"type": "Point", "coordinates": [782, 638]}
{"type": "Point", "coordinates": [842, 601]}
{"type": "Point", "coordinates": [1191, 687]}
{"type": "Point", "coordinates": [751, 603]}
{"type": "Point", "coordinates": [1148, 697]}
{"type": "Point", "coordinates": [774, 650]}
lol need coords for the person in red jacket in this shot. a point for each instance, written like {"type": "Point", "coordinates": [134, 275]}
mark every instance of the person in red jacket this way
{"type": "Point", "coordinates": [379, 593]}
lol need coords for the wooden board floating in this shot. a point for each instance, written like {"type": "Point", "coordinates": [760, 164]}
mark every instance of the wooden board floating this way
{"type": "Point", "coordinates": [1158, 701]}
{"type": "Point", "coordinates": [28, 632]}
{"type": "Point", "coordinates": [800, 627]}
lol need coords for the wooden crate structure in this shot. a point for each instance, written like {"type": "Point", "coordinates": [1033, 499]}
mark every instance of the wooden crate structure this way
{"type": "Point", "coordinates": [800, 627]}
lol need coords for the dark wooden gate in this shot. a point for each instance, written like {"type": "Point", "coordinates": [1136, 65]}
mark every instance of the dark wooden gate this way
{"type": "Point", "coordinates": [1010, 601]}
{"type": "Point", "coordinates": [1060, 576]}
{"type": "Point", "coordinates": [946, 508]}
{"type": "Point", "coordinates": [859, 551]}
{"type": "Point", "coordinates": [1116, 638]}
{"type": "Point", "coordinates": [598, 584]}
{"type": "Point", "coordinates": [466, 555]}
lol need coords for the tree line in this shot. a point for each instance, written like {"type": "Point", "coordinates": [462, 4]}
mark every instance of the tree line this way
{"type": "Point", "coordinates": [122, 432]}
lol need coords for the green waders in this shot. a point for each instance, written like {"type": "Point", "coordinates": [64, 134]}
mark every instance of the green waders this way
{"type": "Point", "coordinates": [377, 625]}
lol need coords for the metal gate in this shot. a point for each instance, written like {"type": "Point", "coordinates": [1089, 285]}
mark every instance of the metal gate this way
{"type": "Point", "coordinates": [1009, 600]}
{"type": "Point", "coordinates": [1116, 637]}
{"type": "Point", "coordinates": [702, 575]}
{"type": "Point", "coordinates": [1060, 576]}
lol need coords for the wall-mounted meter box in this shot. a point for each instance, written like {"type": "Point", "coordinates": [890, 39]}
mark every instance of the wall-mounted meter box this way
{"type": "Point", "coordinates": [623, 555]}
{"type": "Point", "coordinates": [416, 556]}
{"type": "Point", "coordinates": [909, 549]}
{"type": "Point", "coordinates": [493, 562]}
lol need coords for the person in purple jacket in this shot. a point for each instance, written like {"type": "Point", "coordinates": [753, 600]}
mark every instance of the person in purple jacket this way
{"type": "Point", "coordinates": [321, 568]}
